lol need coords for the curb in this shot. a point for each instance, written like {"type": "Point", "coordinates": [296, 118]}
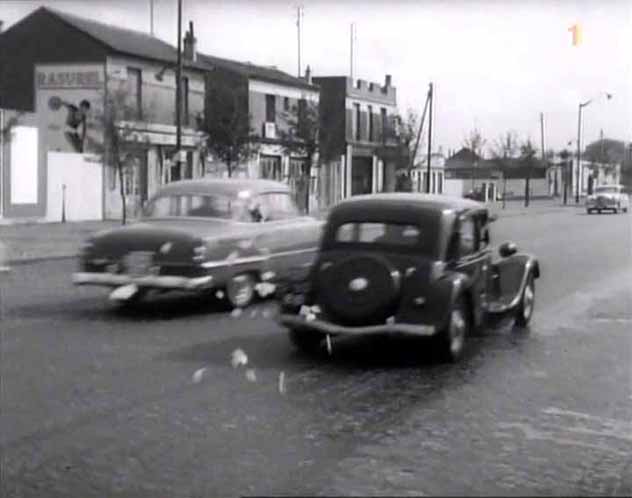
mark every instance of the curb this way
{"type": "Point", "coordinates": [37, 259]}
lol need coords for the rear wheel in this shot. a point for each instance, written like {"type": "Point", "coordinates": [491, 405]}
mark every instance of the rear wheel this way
{"type": "Point", "coordinates": [240, 290]}
{"type": "Point", "coordinates": [451, 341]}
{"type": "Point", "coordinates": [306, 341]}
{"type": "Point", "coordinates": [527, 302]}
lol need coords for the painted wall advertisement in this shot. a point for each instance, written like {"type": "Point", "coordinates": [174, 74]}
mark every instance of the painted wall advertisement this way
{"type": "Point", "coordinates": [69, 101]}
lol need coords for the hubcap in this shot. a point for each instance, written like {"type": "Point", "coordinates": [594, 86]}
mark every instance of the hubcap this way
{"type": "Point", "coordinates": [457, 331]}
{"type": "Point", "coordinates": [527, 306]}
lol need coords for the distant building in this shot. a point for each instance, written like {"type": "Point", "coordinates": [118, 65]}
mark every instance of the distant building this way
{"type": "Point", "coordinates": [58, 70]}
{"type": "Point", "coordinates": [356, 137]}
{"type": "Point", "coordinates": [492, 178]}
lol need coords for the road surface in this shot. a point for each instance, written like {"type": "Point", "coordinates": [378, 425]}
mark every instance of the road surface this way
{"type": "Point", "coordinates": [98, 402]}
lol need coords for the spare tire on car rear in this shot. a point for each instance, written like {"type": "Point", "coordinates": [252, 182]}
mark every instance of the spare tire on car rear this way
{"type": "Point", "coordinates": [359, 290]}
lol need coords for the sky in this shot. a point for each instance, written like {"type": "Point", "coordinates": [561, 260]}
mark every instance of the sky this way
{"type": "Point", "coordinates": [495, 65]}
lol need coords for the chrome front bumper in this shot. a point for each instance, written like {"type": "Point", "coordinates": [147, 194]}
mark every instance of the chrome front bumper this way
{"type": "Point", "coordinates": [297, 321]}
{"type": "Point", "coordinates": [153, 281]}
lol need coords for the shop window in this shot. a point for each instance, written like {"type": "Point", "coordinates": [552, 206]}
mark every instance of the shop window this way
{"type": "Point", "coordinates": [271, 167]}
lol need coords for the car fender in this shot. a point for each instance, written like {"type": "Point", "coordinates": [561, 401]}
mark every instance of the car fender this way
{"type": "Point", "coordinates": [513, 272]}
{"type": "Point", "coordinates": [431, 302]}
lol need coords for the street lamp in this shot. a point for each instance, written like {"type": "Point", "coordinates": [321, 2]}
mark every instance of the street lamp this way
{"type": "Point", "coordinates": [579, 148]}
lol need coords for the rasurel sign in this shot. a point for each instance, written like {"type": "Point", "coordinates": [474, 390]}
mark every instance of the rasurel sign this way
{"type": "Point", "coordinates": [55, 78]}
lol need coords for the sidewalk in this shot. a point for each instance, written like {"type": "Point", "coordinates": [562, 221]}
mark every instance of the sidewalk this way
{"type": "Point", "coordinates": [26, 243]}
{"type": "Point", "coordinates": [43, 241]}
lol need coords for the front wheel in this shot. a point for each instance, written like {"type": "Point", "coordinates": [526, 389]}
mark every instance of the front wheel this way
{"type": "Point", "coordinates": [527, 302]}
{"type": "Point", "coordinates": [306, 341]}
{"type": "Point", "coordinates": [451, 340]}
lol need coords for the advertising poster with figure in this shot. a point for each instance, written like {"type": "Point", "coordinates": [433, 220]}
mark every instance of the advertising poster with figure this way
{"type": "Point", "coordinates": [70, 100]}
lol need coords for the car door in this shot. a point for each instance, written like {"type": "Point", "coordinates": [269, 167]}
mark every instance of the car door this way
{"type": "Point", "coordinates": [474, 258]}
{"type": "Point", "coordinates": [290, 239]}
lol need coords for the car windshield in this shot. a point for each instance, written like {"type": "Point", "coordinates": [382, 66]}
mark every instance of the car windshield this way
{"type": "Point", "coordinates": [607, 190]}
{"type": "Point", "coordinates": [199, 206]}
{"type": "Point", "coordinates": [379, 233]}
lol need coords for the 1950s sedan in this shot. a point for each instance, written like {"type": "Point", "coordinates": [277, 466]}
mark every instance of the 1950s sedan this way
{"type": "Point", "coordinates": [608, 198]}
{"type": "Point", "coordinates": [407, 264]}
{"type": "Point", "coordinates": [221, 236]}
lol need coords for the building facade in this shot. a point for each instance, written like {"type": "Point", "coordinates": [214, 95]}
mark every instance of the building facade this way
{"type": "Point", "coordinates": [357, 137]}
{"type": "Point", "coordinates": [74, 85]}
{"type": "Point", "coordinates": [270, 104]}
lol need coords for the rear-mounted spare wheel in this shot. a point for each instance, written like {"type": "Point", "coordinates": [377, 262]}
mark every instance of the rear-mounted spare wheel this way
{"type": "Point", "coordinates": [359, 290]}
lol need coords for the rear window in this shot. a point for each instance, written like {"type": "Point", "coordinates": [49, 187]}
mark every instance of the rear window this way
{"type": "Point", "coordinates": [379, 233]}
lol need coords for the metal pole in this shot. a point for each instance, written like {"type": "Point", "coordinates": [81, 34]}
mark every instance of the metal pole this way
{"type": "Point", "coordinates": [579, 164]}
{"type": "Point", "coordinates": [179, 90]}
{"type": "Point", "coordinates": [351, 46]}
{"type": "Point", "coordinates": [151, 17]}
{"type": "Point", "coordinates": [298, 27]}
{"type": "Point", "coordinates": [431, 95]}
{"type": "Point", "coordinates": [421, 126]}
{"type": "Point", "coordinates": [2, 131]}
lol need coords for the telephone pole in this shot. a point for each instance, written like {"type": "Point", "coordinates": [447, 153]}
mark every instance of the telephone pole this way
{"type": "Point", "coordinates": [299, 18]}
{"type": "Point", "coordinates": [431, 96]}
{"type": "Point", "coordinates": [179, 93]}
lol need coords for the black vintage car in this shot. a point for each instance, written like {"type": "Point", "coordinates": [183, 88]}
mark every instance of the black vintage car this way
{"type": "Point", "coordinates": [409, 264]}
{"type": "Point", "coordinates": [223, 237]}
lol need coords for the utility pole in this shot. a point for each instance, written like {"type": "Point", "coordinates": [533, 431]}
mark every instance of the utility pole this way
{"type": "Point", "coordinates": [421, 126]}
{"type": "Point", "coordinates": [299, 17]}
{"type": "Point", "coordinates": [431, 96]}
{"type": "Point", "coordinates": [352, 36]}
{"type": "Point", "coordinates": [579, 151]}
{"type": "Point", "coordinates": [179, 93]}
{"type": "Point", "coordinates": [151, 17]}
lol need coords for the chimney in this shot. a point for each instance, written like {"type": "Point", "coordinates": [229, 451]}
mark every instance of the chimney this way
{"type": "Point", "coordinates": [308, 74]}
{"type": "Point", "coordinates": [387, 81]}
{"type": "Point", "coordinates": [190, 42]}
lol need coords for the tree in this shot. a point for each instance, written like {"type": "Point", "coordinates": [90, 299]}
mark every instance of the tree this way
{"type": "Point", "coordinates": [504, 150]}
{"type": "Point", "coordinates": [116, 110]}
{"type": "Point", "coordinates": [476, 143]}
{"type": "Point", "coordinates": [399, 137]}
{"type": "Point", "coordinates": [527, 155]}
{"type": "Point", "coordinates": [228, 124]}
{"type": "Point", "coordinates": [302, 137]}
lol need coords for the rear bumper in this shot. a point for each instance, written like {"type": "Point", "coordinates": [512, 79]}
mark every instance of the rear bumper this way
{"type": "Point", "coordinates": [150, 281]}
{"type": "Point", "coordinates": [301, 322]}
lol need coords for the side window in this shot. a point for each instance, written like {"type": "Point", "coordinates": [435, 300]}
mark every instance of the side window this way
{"type": "Point", "coordinates": [278, 206]}
{"type": "Point", "coordinates": [483, 231]}
{"type": "Point", "coordinates": [468, 237]}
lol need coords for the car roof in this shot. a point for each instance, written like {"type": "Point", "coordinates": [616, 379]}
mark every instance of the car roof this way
{"type": "Point", "coordinates": [223, 186]}
{"type": "Point", "coordinates": [406, 200]}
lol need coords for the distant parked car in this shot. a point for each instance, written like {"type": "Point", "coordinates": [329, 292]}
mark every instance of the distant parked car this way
{"type": "Point", "coordinates": [608, 198]}
{"type": "Point", "coordinates": [222, 237]}
{"type": "Point", "coordinates": [408, 264]}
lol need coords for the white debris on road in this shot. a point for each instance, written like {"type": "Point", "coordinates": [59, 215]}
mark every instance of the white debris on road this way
{"type": "Point", "coordinates": [250, 375]}
{"type": "Point", "coordinates": [282, 382]}
{"type": "Point", "coordinates": [328, 340]}
{"type": "Point", "coordinates": [236, 313]}
{"type": "Point", "coordinates": [198, 375]}
{"type": "Point", "coordinates": [238, 358]}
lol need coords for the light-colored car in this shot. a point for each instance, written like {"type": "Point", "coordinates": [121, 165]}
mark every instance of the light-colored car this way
{"type": "Point", "coordinates": [224, 237]}
{"type": "Point", "coordinates": [608, 198]}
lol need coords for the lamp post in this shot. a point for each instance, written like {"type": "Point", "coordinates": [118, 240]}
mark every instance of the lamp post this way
{"type": "Point", "coordinates": [579, 173]}
{"type": "Point", "coordinates": [179, 90]}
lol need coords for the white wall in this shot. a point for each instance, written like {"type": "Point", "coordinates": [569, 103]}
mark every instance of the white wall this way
{"type": "Point", "coordinates": [82, 176]}
{"type": "Point", "coordinates": [454, 187]}
{"type": "Point", "coordinates": [24, 165]}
